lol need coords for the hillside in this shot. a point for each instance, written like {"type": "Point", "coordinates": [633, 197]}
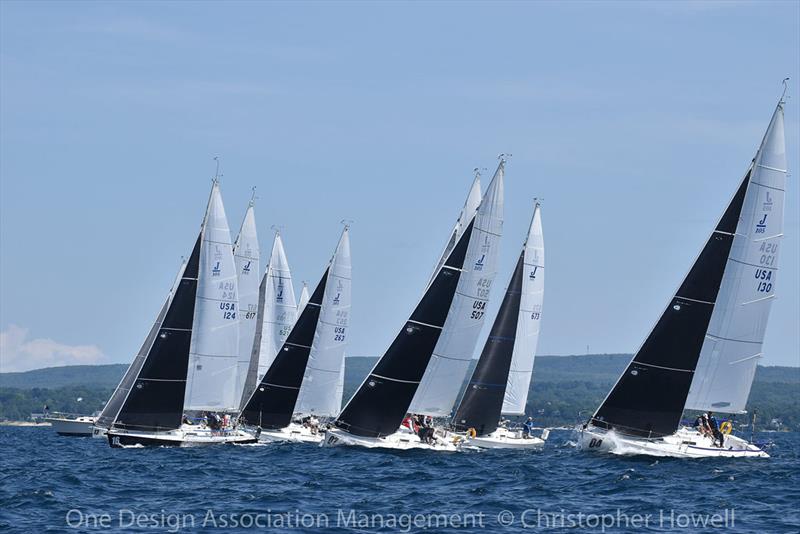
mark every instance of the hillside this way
{"type": "Point", "coordinates": [566, 389]}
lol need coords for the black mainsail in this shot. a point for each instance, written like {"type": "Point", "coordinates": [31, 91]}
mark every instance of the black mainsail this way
{"type": "Point", "coordinates": [379, 405]}
{"type": "Point", "coordinates": [648, 399]}
{"type": "Point", "coordinates": [151, 392]}
{"type": "Point", "coordinates": [272, 403]}
{"type": "Point", "coordinates": [482, 402]}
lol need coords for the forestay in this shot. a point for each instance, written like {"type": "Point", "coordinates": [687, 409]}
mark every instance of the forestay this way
{"type": "Point", "coordinates": [319, 392]}
{"type": "Point", "coordinates": [449, 364]}
{"type": "Point", "coordinates": [732, 346]}
{"type": "Point", "coordinates": [211, 381]}
{"type": "Point", "coordinates": [246, 256]}
{"type": "Point", "coordinates": [529, 321]}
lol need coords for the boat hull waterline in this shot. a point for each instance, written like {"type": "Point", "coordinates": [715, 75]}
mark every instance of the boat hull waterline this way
{"type": "Point", "coordinates": [77, 427]}
{"type": "Point", "coordinates": [294, 433]}
{"type": "Point", "coordinates": [685, 443]}
{"type": "Point", "coordinates": [503, 438]}
{"type": "Point", "coordinates": [177, 438]}
{"type": "Point", "coordinates": [335, 437]}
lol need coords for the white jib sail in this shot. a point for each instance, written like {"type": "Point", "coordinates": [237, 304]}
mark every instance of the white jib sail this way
{"type": "Point", "coordinates": [211, 380]}
{"type": "Point", "coordinates": [246, 254]}
{"type": "Point", "coordinates": [466, 215]}
{"type": "Point", "coordinates": [449, 364]}
{"type": "Point", "coordinates": [319, 393]}
{"type": "Point", "coordinates": [304, 296]}
{"type": "Point", "coordinates": [529, 320]}
{"type": "Point", "coordinates": [732, 348]}
{"type": "Point", "coordinates": [279, 307]}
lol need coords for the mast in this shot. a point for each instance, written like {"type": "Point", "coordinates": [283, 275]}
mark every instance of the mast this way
{"type": "Point", "coordinates": [733, 344]}
{"type": "Point", "coordinates": [246, 256]}
{"type": "Point", "coordinates": [379, 405]}
{"type": "Point", "coordinates": [211, 380]}
{"type": "Point", "coordinates": [441, 384]}
{"type": "Point", "coordinates": [511, 344]}
{"type": "Point", "coordinates": [319, 391]}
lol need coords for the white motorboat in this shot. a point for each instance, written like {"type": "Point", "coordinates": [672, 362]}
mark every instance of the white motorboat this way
{"type": "Point", "coordinates": [71, 425]}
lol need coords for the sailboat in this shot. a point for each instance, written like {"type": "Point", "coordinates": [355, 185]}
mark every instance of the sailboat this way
{"type": "Point", "coordinates": [274, 319]}
{"type": "Point", "coordinates": [703, 351]}
{"type": "Point", "coordinates": [247, 256]}
{"type": "Point", "coordinates": [307, 365]}
{"type": "Point", "coordinates": [188, 361]}
{"type": "Point", "coordinates": [373, 416]}
{"type": "Point", "coordinates": [502, 377]}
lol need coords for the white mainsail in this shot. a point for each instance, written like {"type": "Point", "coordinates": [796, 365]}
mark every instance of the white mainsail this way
{"type": "Point", "coordinates": [449, 364]}
{"type": "Point", "coordinates": [246, 255]}
{"type": "Point", "coordinates": [529, 320]}
{"type": "Point", "coordinates": [466, 215]}
{"type": "Point", "coordinates": [279, 307]}
{"type": "Point", "coordinates": [732, 347]}
{"type": "Point", "coordinates": [211, 380]}
{"type": "Point", "coordinates": [319, 393]}
{"type": "Point", "coordinates": [303, 299]}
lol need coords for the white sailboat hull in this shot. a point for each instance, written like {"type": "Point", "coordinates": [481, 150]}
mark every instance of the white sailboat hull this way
{"type": "Point", "coordinates": [335, 437]}
{"type": "Point", "coordinates": [186, 436]}
{"type": "Point", "coordinates": [99, 432]}
{"type": "Point", "coordinates": [503, 438]}
{"type": "Point", "coordinates": [294, 433]}
{"type": "Point", "coordinates": [72, 426]}
{"type": "Point", "coordinates": [685, 443]}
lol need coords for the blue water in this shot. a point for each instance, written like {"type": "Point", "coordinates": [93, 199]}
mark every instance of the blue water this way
{"type": "Point", "coordinates": [44, 477]}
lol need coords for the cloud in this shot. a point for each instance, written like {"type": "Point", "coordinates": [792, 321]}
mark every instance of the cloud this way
{"type": "Point", "coordinates": [18, 353]}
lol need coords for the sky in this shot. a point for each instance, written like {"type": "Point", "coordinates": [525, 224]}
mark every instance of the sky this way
{"type": "Point", "coordinates": [634, 122]}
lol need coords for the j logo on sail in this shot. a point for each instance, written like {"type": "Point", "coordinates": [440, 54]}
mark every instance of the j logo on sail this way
{"type": "Point", "coordinates": [768, 203]}
{"type": "Point", "coordinates": [479, 263]}
{"type": "Point", "coordinates": [279, 296]}
{"type": "Point", "coordinates": [336, 299]}
{"type": "Point", "coordinates": [246, 268]}
{"type": "Point", "coordinates": [761, 227]}
{"type": "Point", "coordinates": [532, 276]}
{"type": "Point", "coordinates": [216, 270]}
